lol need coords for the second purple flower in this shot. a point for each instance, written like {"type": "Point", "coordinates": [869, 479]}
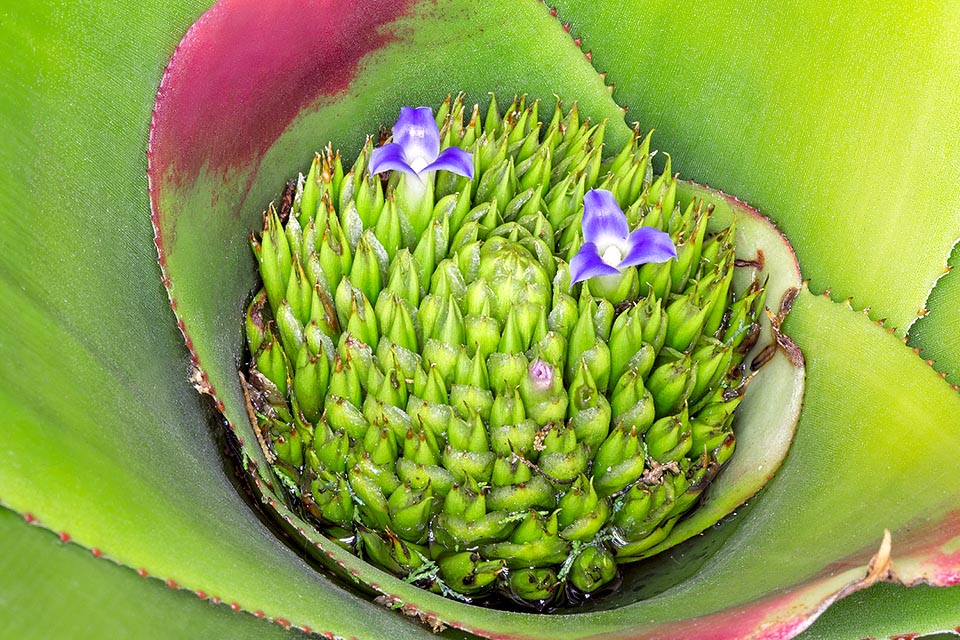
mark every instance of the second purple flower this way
{"type": "Point", "coordinates": [609, 245]}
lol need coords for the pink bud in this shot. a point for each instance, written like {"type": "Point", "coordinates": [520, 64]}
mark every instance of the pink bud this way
{"type": "Point", "coordinates": [541, 375]}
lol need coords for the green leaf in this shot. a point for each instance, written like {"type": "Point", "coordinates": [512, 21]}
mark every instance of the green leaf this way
{"type": "Point", "coordinates": [55, 590]}
{"type": "Point", "coordinates": [937, 334]}
{"type": "Point", "coordinates": [104, 438]}
{"type": "Point", "coordinates": [887, 610]}
{"type": "Point", "coordinates": [832, 121]}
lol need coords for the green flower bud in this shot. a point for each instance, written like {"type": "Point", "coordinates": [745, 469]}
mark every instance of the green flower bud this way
{"type": "Point", "coordinates": [461, 209]}
{"type": "Point", "coordinates": [330, 452]}
{"type": "Point", "coordinates": [491, 151]}
{"type": "Point", "coordinates": [534, 169]}
{"type": "Point", "coordinates": [394, 554]}
{"type": "Point", "coordinates": [714, 295]}
{"type": "Point", "coordinates": [631, 403]}
{"type": "Point", "coordinates": [463, 521]}
{"type": "Point", "coordinates": [584, 345]}
{"type": "Point", "coordinates": [688, 252]}
{"type": "Point", "coordinates": [430, 386]}
{"type": "Point", "coordinates": [639, 511]}
{"type": "Point", "coordinates": [275, 259]}
{"type": "Point", "coordinates": [291, 330]}
{"type": "Point", "coordinates": [447, 281]}
{"type": "Point", "coordinates": [534, 543]}
{"type": "Point", "coordinates": [389, 229]}
{"type": "Point", "coordinates": [685, 320]}
{"type": "Point", "coordinates": [345, 381]}
{"type": "Point", "coordinates": [396, 317]}
{"type": "Point", "coordinates": [272, 363]}
{"type": "Point", "coordinates": [713, 360]}
{"type": "Point", "coordinates": [468, 452]}
{"type": "Point", "coordinates": [534, 585]}
{"type": "Point", "coordinates": [653, 319]}
{"type": "Point", "coordinates": [544, 398]}
{"type": "Point", "coordinates": [299, 292]}
{"type": "Point", "coordinates": [563, 201]}
{"type": "Point", "coordinates": [468, 573]}
{"type": "Point", "coordinates": [661, 186]}
{"type": "Point", "coordinates": [309, 191]}
{"type": "Point", "coordinates": [439, 478]}
{"type": "Point", "coordinates": [742, 325]}
{"type": "Point", "coordinates": [365, 272]}
{"type": "Point", "coordinates": [655, 277]}
{"type": "Point", "coordinates": [672, 382]}
{"type": "Point", "coordinates": [669, 439]}
{"type": "Point", "coordinates": [310, 386]}
{"type": "Point", "coordinates": [498, 183]}
{"type": "Point", "coordinates": [256, 330]}
{"type": "Point", "coordinates": [404, 278]}
{"type": "Point", "coordinates": [511, 340]}
{"type": "Point", "coordinates": [507, 410]}
{"type": "Point", "coordinates": [334, 252]}
{"type": "Point", "coordinates": [414, 197]}
{"type": "Point", "coordinates": [563, 458]}
{"type": "Point", "coordinates": [410, 511]}
{"type": "Point", "coordinates": [506, 371]}
{"type": "Point", "coordinates": [448, 327]}
{"type": "Point", "coordinates": [552, 348]}
{"type": "Point", "coordinates": [583, 390]}
{"type": "Point", "coordinates": [619, 461]}
{"type": "Point", "coordinates": [564, 315]}
{"type": "Point", "coordinates": [322, 312]}
{"type": "Point", "coordinates": [582, 511]}
{"type": "Point", "coordinates": [516, 489]}
{"type": "Point", "coordinates": [516, 438]}
{"type": "Point", "coordinates": [380, 445]}
{"type": "Point", "coordinates": [333, 501]}
{"type": "Point", "coordinates": [368, 196]}
{"type": "Point", "coordinates": [593, 568]}
{"type": "Point", "coordinates": [616, 288]}
{"type": "Point", "coordinates": [483, 334]}
{"type": "Point", "coordinates": [358, 353]}
{"type": "Point", "coordinates": [443, 357]}
{"type": "Point", "coordinates": [289, 448]}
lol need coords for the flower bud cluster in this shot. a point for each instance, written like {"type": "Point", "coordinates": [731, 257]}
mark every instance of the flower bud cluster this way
{"type": "Point", "coordinates": [438, 396]}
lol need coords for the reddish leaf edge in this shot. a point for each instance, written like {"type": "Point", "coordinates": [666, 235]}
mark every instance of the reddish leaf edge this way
{"type": "Point", "coordinates": [235, 151]}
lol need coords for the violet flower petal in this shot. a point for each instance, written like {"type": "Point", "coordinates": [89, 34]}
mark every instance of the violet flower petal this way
{"type": "Point", "coordinates": [417, 134]}
{"type": "Point", "coordinates": [648, 245]}
{"type": "Point", "coordinates": [588, 264]}
{"type": "Point", "coordinates": [603, 221]}
{"type": "Point", "coordinates": [389, 157]}
{"type": "Point", "coordinates": [454, 160]}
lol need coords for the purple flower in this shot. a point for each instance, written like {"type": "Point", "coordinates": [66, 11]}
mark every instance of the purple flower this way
{"type": "Point", "coordinates": [609, 245]}
{"type": "Point", "coordinates": [541, 375]}
{"type": "Point", "coordinates": [416, 148]}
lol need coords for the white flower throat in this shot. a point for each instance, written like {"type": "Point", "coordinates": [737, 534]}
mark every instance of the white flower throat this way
{"type": "Point", "coordinates": [612, 256]}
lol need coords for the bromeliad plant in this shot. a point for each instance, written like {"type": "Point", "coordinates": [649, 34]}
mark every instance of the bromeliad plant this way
{"type": "Point", "coordinates": [844, 138]}
{"type": "Point", "coordinates": [442, 395]}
